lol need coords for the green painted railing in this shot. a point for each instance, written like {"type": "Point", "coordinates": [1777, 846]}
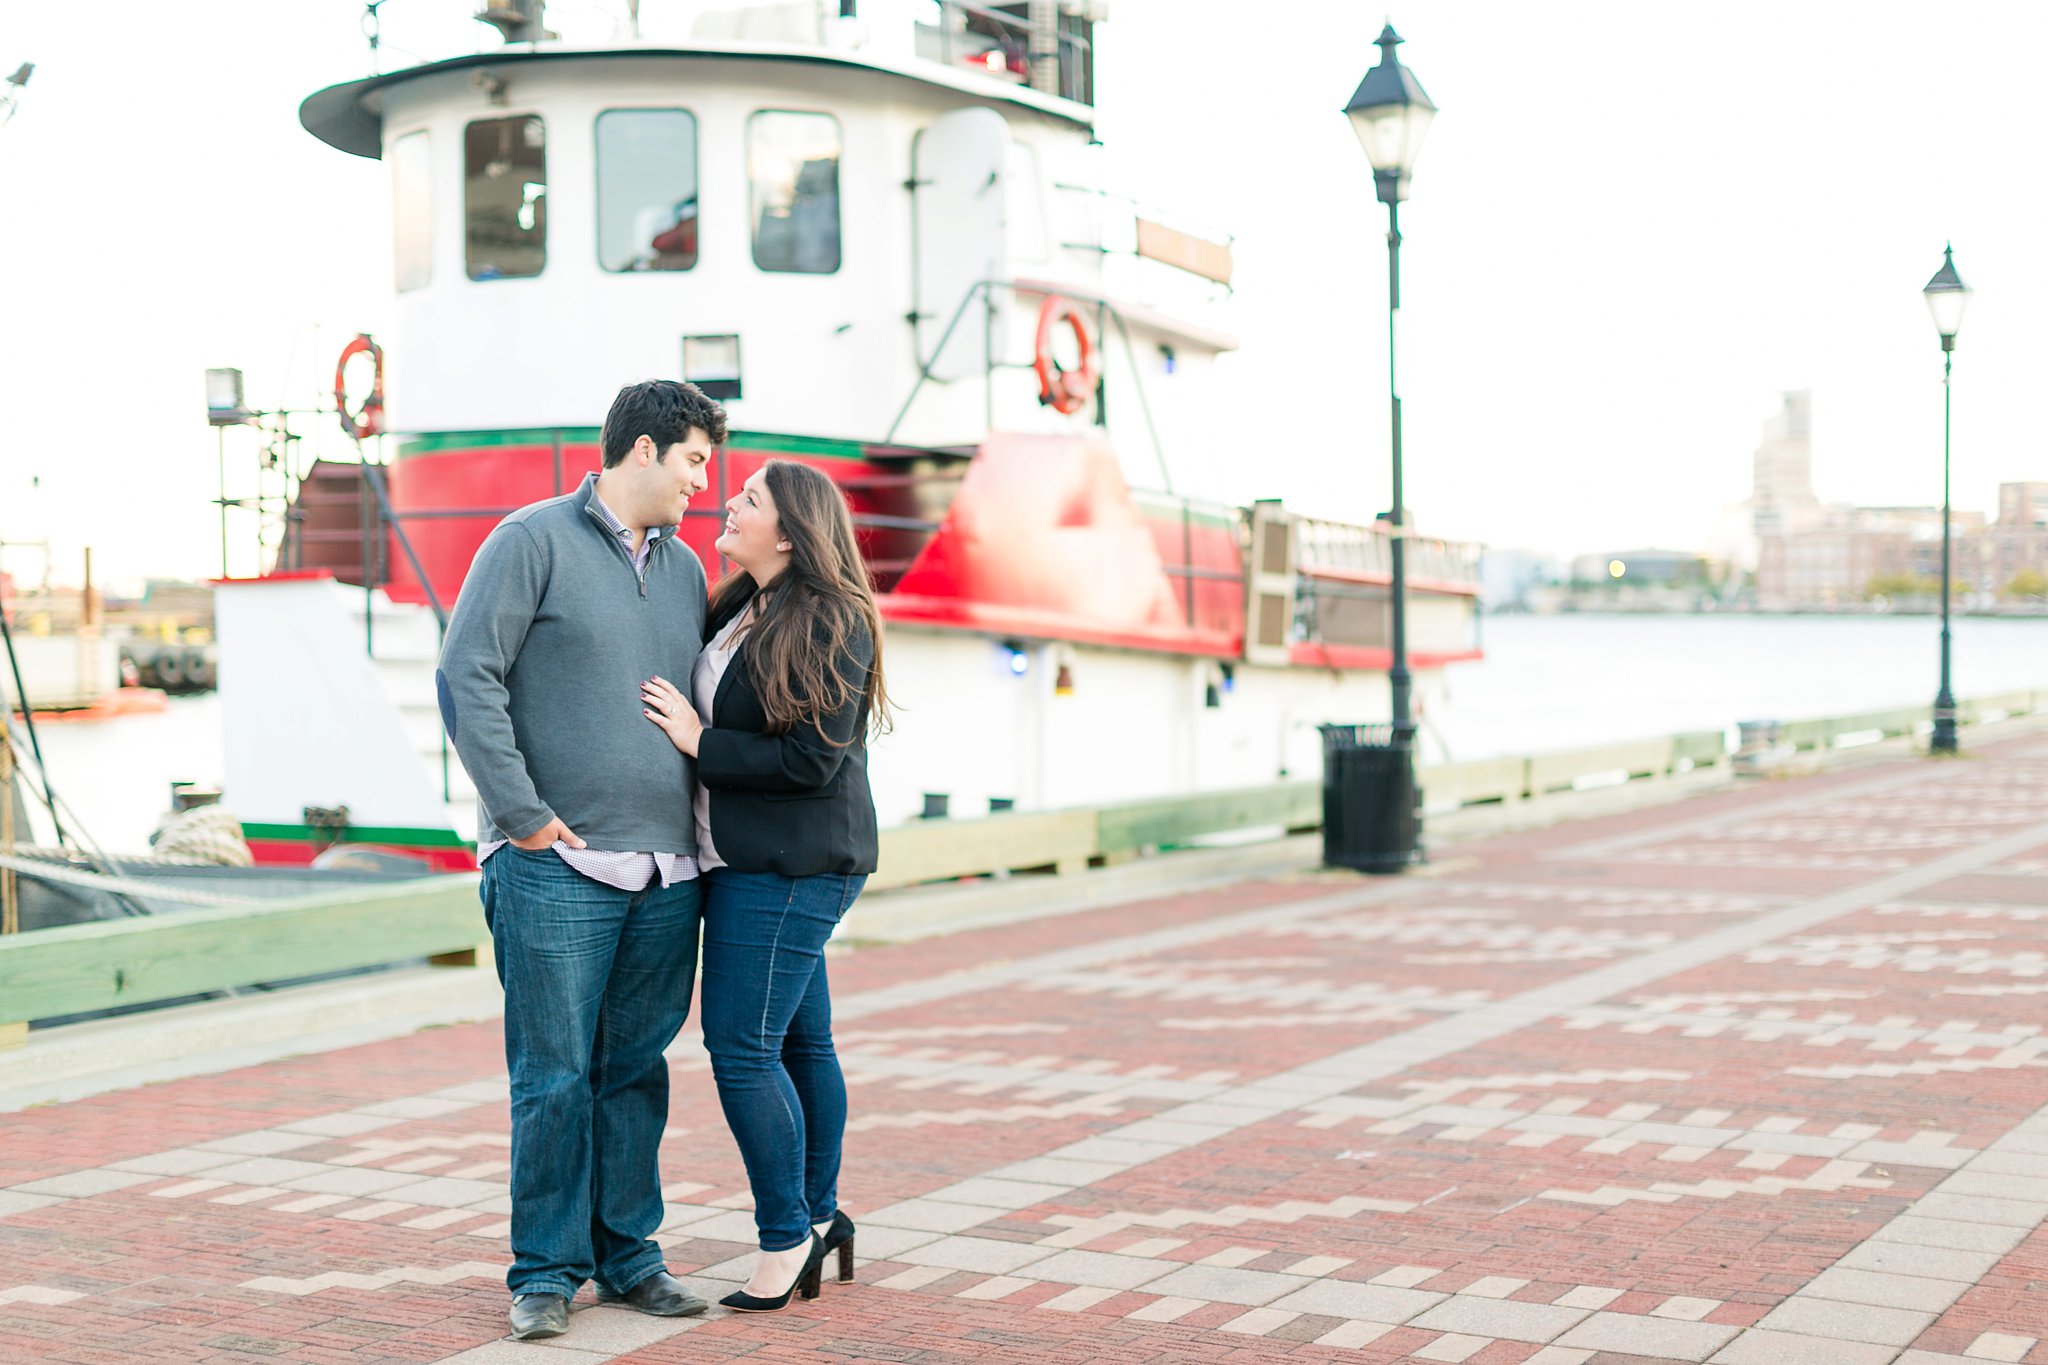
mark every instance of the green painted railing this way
{"type": "Point", "coordinates": [1063, 839]}
{"type": "Point", "coordinates": [78, 968]}
{"type": "Point", "coordinates": [108, 963]}
{"type": "Point", "coordinates": [1832, 732]}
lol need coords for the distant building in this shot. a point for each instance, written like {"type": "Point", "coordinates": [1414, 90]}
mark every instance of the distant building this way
{"type": "Point", "coordinates": [1854, 554]}
{"type": "Point", "coordinates": [2016, 553]}
{"type": "Point", "coordinates": [1782, 500]}
{"type": "Point", "coordinates": [2022, 505]}
{"type": "Point", "coordinates": [1506, 576]}
{"type": "Point", "coordinates": [1861, 552]}
{"type": "Point", "coordinates": [1662, 568]}
{"type": "Point", "coordinates": [1814, 554]}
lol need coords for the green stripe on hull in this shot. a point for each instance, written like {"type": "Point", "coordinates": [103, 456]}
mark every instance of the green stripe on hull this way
{"type": "Point", "coordinates": [436, 442]}
{"type": "Point", "coordinates": [1157, 511]}
{"type": "Point", "coordinates": [796, 445]}
{"type": "Point", "coordinates": [358, 834]}
{"type": "Point", "coordinates": [482, 440]}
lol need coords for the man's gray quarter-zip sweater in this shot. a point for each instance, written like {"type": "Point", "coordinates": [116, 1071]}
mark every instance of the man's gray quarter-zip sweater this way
{"type": "Point", "coordinates": [540, 675]}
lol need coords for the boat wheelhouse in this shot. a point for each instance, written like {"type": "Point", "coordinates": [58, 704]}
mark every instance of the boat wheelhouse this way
{"type": "Point", "coordinates": [880, 232]}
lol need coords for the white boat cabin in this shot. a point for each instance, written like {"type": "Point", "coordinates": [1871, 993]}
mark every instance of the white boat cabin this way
{"type": "Point", "coordinates": [841, 217]}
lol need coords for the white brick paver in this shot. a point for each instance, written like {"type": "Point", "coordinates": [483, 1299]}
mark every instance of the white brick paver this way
{"type": "Point", "coordinates": [1631, 1334]}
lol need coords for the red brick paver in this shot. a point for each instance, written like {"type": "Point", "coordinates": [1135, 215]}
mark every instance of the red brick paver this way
{"type": "Point", "coordinates": [1623, 1091]}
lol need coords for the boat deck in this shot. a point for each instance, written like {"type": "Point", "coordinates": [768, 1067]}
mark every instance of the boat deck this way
{"type": "Point", "coordinates": [1753, 1077]}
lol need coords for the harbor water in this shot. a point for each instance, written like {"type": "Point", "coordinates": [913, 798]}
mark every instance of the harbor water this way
{"type": "Point", "coordinates": [1561, 682]}
{"type": "Point", "coordinates": [1547, 682]}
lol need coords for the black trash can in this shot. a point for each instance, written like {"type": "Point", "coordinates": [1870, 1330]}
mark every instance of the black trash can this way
{"type": "Point", "coordinates": [1372, 816]}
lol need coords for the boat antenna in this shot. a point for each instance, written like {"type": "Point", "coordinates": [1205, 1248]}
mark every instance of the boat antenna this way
{"type": "Point", "coordinates": [10, 894]}
{"type": "Point", "coordinates": [10, 98]}
{"type": "Point", "coordinates": [28, 720]}
{"type": "Point", "coordinates": [373, 28]}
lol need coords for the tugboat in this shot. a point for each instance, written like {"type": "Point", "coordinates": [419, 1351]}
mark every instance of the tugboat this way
{"type": "Point", "coordinates": [876, 231]}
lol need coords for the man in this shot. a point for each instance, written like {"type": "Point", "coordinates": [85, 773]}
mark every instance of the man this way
{"type": "Point", "coordinates": [587, 844]}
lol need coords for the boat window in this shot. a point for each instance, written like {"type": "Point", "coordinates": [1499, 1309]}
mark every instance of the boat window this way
{"type": "Point", "coordinates": [412, 201]}
{"type": "Point", "coordinates": [793, 168]}
{"type": "Point", "coordinates": [505, 191]}
{"type": "Point", "coordinates": [646, 189]}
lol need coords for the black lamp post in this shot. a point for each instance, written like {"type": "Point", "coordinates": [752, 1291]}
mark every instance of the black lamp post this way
{"type": "Point", "coordinates": [1946, 294]}
{"type": "Point", "coordinates": [1390, 114]}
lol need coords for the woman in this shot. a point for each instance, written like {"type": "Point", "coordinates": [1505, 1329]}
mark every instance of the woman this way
{"type": "Point", "coordinates": [778, 709]}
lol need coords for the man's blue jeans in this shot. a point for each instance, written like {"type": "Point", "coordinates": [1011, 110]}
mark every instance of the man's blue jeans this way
{"type": "Point", "coordinates": [768, 1028]}
{"type": "Point", "coordinates": [597, 983]}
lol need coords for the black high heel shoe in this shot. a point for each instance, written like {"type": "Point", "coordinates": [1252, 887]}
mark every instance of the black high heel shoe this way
{"type": "Point", "coordinates": [839, 1238]}
{"type": "Point", "coordinates": [806, 1284]}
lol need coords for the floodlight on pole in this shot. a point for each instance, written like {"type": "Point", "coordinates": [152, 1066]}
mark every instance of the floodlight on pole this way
{"type": "Point", "coordinates": [10, 98]}
{"type": "Point", "coordinates": [225, 407]}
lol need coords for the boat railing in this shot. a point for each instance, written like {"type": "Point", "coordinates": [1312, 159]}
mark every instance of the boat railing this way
{"type": "Point", "coordinates": [754, 21]}
{"type": "Point", "coordinates": [916, 499]}
{"type": "Point", "coordinates": [1344, 550]}
{"type": "Point", "coordinates": [373, 478]}
{"type": "Point", "coordinates": [1001, 45]}
{"type": "Point", "coordinates": [378, 520]}
{"type": "Point", "coordinates": [985, 291]}
{"type": "Point", "coordinates": [1187, 573]}
{"type": "Point", "coordinates": [1188, 256]}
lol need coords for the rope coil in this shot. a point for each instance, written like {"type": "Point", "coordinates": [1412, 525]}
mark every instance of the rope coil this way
{"type": "Point", "coordinates": [61, 871]}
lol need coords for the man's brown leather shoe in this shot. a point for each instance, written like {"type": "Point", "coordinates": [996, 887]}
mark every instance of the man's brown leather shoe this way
{"type": "Point", "coordinates": [661, 1294]}
{"type": "Point", "coordinates": [539, 1315]}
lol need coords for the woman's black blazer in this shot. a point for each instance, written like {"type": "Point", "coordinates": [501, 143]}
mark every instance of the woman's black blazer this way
{"type": "Point", "coordinates": [798, 803]}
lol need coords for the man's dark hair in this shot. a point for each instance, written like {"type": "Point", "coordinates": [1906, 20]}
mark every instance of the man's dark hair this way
{"type": "Point", "coordinates": [663, 410]}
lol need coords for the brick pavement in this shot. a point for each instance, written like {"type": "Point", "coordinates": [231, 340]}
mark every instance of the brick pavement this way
{"type": "Point", "coordinates": [1758, 1077]}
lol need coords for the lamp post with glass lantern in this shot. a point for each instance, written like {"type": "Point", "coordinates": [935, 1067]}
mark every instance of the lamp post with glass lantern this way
{"type": "Point", "coordinates": [1390, 113]}
{"type": "Point", "coordinates": [1946, 295]}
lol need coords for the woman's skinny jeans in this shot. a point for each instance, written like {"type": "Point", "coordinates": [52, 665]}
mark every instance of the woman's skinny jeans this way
{"type": "Point", "coordinates": [768, 1027]}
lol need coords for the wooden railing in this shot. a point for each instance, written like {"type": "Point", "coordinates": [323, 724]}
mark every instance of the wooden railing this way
{"type": "Point", "coordinates": [109, 963]}
{"type": "Point", "coordinates": [85, 967]}
{"type": "Point", "coordinates": [1063, 840]}
{"type": "Point", "coordinates": [1843, 732]}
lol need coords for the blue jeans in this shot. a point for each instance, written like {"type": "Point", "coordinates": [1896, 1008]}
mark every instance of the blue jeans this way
{"type": "Point", "coordinates": [597, 983]}
{"type": "Point", "coordinates": [768, 1028]}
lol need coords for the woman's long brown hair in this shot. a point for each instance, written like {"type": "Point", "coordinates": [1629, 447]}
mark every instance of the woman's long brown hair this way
{"type": "Point", "coordinates": [797, 651]}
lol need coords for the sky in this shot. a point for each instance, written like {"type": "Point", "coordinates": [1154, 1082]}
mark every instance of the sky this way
{"type": "Point", "coordinates": [1631, 227]}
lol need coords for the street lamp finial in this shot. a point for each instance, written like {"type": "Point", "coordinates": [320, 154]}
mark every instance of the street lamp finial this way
{"type": "Point", "coordinates": [1946, 295]}
{"type": "Point", "coordinates": [1390, 113]}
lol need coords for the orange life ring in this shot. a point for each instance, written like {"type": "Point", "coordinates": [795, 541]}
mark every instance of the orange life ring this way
{"type": "Point", "coordinates": [1066, 390]}
{"type": "Point", "coordinates": [367, 420]}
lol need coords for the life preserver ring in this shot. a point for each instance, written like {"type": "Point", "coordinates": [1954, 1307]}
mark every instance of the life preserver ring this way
{"type": "Point", "coordinates": [367, 420]}
{"type": "Point", "coordinates": [1066, 390]}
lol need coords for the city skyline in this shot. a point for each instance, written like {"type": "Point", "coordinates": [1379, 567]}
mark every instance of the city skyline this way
{"type": "Point", "coordinates": [1783, 500]}
{"type": "Point", "coordinates": [1600, 307]}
